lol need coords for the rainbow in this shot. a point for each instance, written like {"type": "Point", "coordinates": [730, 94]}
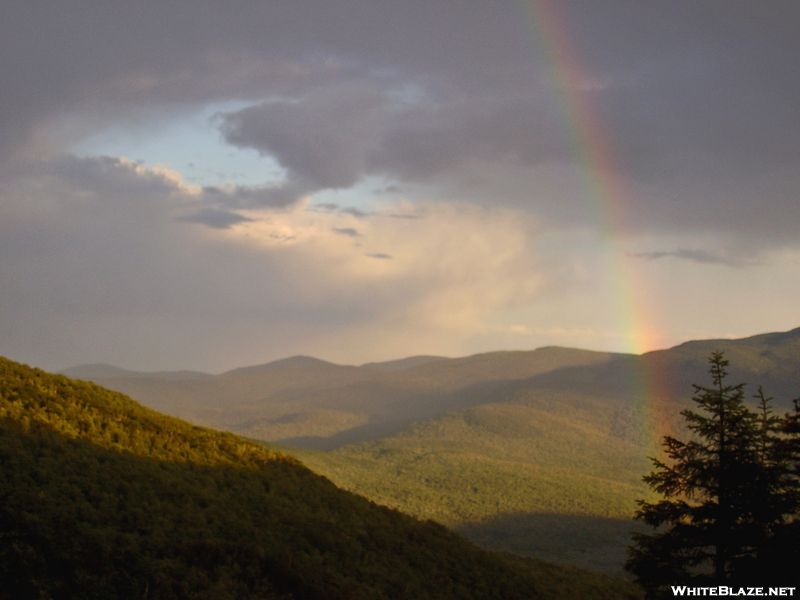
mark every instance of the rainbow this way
{"type": "Point", "coordinates": [606, 188]}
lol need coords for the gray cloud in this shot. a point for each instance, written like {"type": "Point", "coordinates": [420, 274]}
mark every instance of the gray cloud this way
{"type": "Point", "coordinates": [351, 210]}
{"type": "Point", "coordinates": [116, 177]}
{"type": "Point", "coordinates": [685, 93]}
{"type": "Point", "coordinates": [337, 138]}
{"type": "Point", "coordinates": [348, 231]}
{"type": "Point", "coordinates": [328, 207]}
{"type": "Point", "coordinates": [215, 217]}
{"type": "Point", "coordinates": [698, 256]}
{"type": "Point", "coordinates": [389, 189]}
{"type": "Point", "coordinates": [682, 102]}
{"type": "Point", "coordinates": [103, 175]}
{"type": "Point", "coordinates": [324, 207]}
{"type": "Point", "coordinates": [239, 196]}
{"type": "Point", "coordinates": [430, 141]}
{"type": "Point", "coordinates": [321, 139]}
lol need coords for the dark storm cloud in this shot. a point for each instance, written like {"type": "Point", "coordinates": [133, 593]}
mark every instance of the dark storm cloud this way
{"type": "Point", "coordinates": [322, 139]}
{"type": "Point", "coordinates": [691, 96]}
{"type": "Point", "coordinates": [336, 138]}
{"type": "Point", "coordinates": [693, 78]}
{"type": "Point", "coordinates": [58, 57]}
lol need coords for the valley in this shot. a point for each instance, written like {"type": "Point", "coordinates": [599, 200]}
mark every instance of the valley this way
{"type": "Point", "coordinates": [538, 452]}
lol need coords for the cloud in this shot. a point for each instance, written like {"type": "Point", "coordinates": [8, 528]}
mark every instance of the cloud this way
{"type": "Point", "coordinates": [697, 256]}
{"type": "Point", "coordinates": [215, 217]}
{"type": "Point", "coordinates": [324, 207]}
{"type": "Point", "coordinates": [683, 100]}
{"type": "Point", "coordinates": [348, 231]}
{"type": "Point", "coordinates": [334, 138]}
{"type": "Point", "coordinates": [390, 189]}
{"type": "Point", "coordinates": [650, 119]}
{"type": "Point", "coordinates": [240, 196]}
{"type": "Point", "coordinates": [110, 175]}
{"type": "Point", "coordinates": [321, 139]}
{"type": "Point", "coordinates": [351, 210]}
{"type": "Point", "coordinates": [433, 140]}
{"type": "Point", "coordinates": [105, 258]}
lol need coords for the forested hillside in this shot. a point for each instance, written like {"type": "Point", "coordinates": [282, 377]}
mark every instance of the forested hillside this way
{"type": "Point", "coordinates": [547, 476]}
{"type": "Point", "coordinates": [103, 498]}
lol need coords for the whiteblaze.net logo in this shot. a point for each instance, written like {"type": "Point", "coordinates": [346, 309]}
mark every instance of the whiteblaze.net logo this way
{"type": "Point", "coordinates": [724, 590]}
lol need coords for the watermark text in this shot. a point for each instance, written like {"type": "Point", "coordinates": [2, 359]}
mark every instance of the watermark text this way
{"type": "Point", "coordinates": [724, 590]}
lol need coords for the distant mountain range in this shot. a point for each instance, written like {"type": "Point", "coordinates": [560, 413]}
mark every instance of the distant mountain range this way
{"type": "Point", "coordinates": [536, 451]}
{"type": "Point", "coordinates": [311, 403]}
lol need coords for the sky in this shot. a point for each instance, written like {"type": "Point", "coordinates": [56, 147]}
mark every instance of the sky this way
{"type": "Point", "coordinates": [206, 185]}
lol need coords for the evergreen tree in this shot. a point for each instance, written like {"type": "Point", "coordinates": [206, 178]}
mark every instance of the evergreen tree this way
{"type": "Point", "coordinates": [780, 554]}
{"type": "Point", "coordinates": [791, 428]}
{"type": "Point", "coordinates": [727, 493]}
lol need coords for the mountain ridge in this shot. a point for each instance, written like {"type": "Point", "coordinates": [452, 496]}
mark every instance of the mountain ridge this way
{"type": "Point", "coordinates": [106, 371]}
{"type": "Point", "coordinates": [256, 401]}
{"type": "Point", "coordinates": [403, 363]}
